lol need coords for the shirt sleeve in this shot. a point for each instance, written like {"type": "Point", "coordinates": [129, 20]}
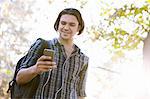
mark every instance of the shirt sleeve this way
{"type": "Point", "coordinates": [35, 51]}
{"type": "Point", "coordinates": [82, 82]}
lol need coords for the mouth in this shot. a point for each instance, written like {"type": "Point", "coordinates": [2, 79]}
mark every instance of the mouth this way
{"type": "Point", "coordinates": [66, 33]}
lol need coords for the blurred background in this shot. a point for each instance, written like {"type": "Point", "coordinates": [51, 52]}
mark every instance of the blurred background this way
{"type": "Point", "coordinates": [113, 39]}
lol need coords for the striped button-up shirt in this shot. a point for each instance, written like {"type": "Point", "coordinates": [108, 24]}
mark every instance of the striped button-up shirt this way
{"type": "Point", "coordinates": [68, 80]}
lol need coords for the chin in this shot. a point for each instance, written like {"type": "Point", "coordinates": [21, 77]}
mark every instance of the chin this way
{"type": "Point", "coordinates": [65, 37]}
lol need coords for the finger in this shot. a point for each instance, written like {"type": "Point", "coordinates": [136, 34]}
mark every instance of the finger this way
{"type": "Point", "coordinates": [46, 63]}
{"type": "Point", "coordinates": [44, 58]}
{"type": "Point", "coordinates": [44, 70]}
{"type": "Point", "coordinates": [47, 67]}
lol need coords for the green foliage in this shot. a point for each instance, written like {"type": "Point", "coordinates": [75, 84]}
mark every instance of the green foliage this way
{"type": "Point", "coordinates": [139, 16]}
{"type": "Point", "coordinates": [124, 28]}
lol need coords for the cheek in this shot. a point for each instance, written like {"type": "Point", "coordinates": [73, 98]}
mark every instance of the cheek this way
{"type": "Point", "coordinates": [59, 27]}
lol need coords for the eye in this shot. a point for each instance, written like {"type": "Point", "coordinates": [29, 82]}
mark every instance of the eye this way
{"type": "Point", "coordinates": [72, 24]}
{"type": "Point", "coordinates": [63, 22]}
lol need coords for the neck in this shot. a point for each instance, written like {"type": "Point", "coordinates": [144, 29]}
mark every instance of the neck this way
{"type": "Point", "coordinates": [68, 45]}
{"type": "Point", "coordinates": [66, 42]}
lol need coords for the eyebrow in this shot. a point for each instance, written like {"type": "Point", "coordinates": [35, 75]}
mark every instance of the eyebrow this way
{"type": "Point", "coordinates": [68, 22]}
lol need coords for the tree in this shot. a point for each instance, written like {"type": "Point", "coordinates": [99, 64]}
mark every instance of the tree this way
{"type": "Point", "coordinates": [124, 28]}
{"type": "Point", "coordinates": [12, 37]}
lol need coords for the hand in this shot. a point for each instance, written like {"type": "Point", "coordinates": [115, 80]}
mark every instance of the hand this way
{"type": "Point", "coordinates": [44, 64]}
{"type": "Point", "coordinates": [81, 97]}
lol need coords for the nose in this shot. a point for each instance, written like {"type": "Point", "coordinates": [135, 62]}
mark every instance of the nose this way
{"type": "Point", "coordinates": [66, 27]}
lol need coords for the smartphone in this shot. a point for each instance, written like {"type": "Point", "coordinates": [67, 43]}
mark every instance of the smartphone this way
{"type": "Point", "coordinates": [49, 52]}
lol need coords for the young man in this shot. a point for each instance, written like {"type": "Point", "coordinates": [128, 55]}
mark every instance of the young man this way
{"type": "Point", "coordinates": [65, 77]}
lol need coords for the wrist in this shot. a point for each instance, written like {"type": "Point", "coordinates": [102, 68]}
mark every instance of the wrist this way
{"type": "Point", "coordinates": [34, 70]}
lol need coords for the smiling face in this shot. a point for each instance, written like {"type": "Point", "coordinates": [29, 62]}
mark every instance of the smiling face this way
{"type": "Point", "coordinates": [68, 26]}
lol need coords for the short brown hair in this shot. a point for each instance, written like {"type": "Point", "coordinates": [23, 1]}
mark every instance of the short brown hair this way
{"type": "Point", "coordinates": [70, 11]}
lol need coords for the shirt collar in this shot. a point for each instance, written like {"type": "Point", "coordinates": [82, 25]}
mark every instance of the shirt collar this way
{"type": "Point", "coordinates": [57, 43]}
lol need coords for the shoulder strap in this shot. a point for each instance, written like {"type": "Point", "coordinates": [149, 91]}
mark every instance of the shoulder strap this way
{"type": "Point", "coordinates": [44, 43]}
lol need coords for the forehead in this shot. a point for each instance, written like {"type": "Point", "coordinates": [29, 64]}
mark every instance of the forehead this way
{"type": "Point", "coordinates": [68, 18]}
